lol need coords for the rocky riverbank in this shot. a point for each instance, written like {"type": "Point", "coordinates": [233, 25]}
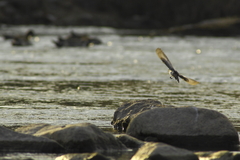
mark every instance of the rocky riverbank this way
{"type": "Point", "coordinates": [153, 131]}
{"type": "Point", "coordinates": [164, 17]}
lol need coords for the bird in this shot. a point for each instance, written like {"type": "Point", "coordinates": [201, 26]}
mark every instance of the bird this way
{"type": "Point", "coordinates": [172, 72]}
{"type": "Point", "coordinates": [30, 33]}
{"type": "Point", "coordinates": [76, 40]}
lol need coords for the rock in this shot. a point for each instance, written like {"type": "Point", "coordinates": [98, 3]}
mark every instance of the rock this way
{"type": "Point", "coordinates": [17, 142]}
{"type": "Point", "coordinates": [34, 128]}
{"type": "Point", "coordinates": [83, 137]}
{"type": "Point", "coordinates": [124, 114]}
{"type": "Point", "coordinates": [129, 141]}
{"type": "Point", "coordinates": [187, 127]}
{"type": "Point", "coordinates": [161, 151]}
{"type": "Point", "coordinates": [220, 155]}
{"type": "Point", "coordinates": [83, 156]}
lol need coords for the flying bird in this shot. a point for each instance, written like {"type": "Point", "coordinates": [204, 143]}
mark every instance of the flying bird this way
{"type": "Point", "coordinates": [172, 72]}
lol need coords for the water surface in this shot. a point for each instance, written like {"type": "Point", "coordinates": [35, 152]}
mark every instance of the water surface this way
{"type": "Point", "coordinates": [45, 84]}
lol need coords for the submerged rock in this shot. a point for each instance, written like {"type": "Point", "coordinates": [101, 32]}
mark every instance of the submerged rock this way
{"type": "Point", "coordinates": [187, 127]}
{"type": "Point", "coordinates": [83, 137]}
{"type": "Point", "coordinates": [124, 114]}
{"type": "Point", "coordinates": [17, 142]}
{"type": "Point", "coordinates": [161, 151]}
{"type": "Point", "coordinates": [83, 156]}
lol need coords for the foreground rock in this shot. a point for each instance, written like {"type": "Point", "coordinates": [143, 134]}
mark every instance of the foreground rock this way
{"type": "Point", "coordinates": [220, 155]}
{"type": "Point", "coordinates": [158, 151]}
{"type": "Point", "coordinates": [83, 156]}
{"type": "Point", "coordinates": [83, 137]}
{"type": "Point", "coordinates": [17, 142]}
{"type": "Point", "coordinates": [124, 114]}
{"type": "Point", "coordinates": [187, 127]}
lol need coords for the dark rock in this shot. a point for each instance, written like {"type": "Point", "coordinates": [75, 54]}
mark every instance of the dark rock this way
{"type": "Point", "coordinates": [220, 155]}
{"type": "Point", "coordinates": [83, 156]}
{"type": "Point", "coordinates": [130, 141]}
{"type": "Point", "coordinates": [187, 127]}
{"type": "Point", "coordinates": [124, 114]}
{"type": "Point", "coordinates": [82, 137]}
{"type": "Point", "coordinates": [17, 142]}
{"type": "Point", "coordinates": [161, 151]}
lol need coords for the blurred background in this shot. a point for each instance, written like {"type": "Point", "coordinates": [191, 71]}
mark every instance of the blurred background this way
{"type": "Point", "coordinates": [218, 17]}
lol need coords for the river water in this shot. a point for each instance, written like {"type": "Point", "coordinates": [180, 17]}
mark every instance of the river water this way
{"type": "Point", "coordinates": [45, 84]}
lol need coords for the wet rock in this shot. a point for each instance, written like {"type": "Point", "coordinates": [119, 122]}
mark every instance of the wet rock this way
{"type": "Point", "coordinates": [83, 156]}
{"type": "Point", "coordinates": [129, 141]}
{"type": "Point", "coordinates": [83, 137]}
{"type": "Point", "coordinates": [157, 151]}
{"type": "Point", "coordinates": [220, 155]}
{"type": "Point", "coordinates": [124, 114]}
{"type": "Point", "coordinates": [17, 142]}
{"type": "Point", "coordinates": [36, 128]}
{"type": "Point", "coordinates": [187, 127]}
{"type": "Point", "coordinates": [76, 40]}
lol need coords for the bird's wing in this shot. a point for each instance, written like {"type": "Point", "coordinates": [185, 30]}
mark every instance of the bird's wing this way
{"type": "Point", "coordinates": [164, 58]}
{"type": "Point", "coordinates": [189, 80]}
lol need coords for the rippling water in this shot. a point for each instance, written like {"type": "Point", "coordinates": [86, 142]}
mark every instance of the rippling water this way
{"type": "Point", "coordinates": [45, 84]}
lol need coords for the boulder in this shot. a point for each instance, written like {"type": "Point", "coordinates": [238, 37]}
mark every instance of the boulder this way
{"type": "Point", "coordinates": [83, 137]}
{"type": "Point", "coordinates": [187, 127]}
{"type": "Point", "coordinates": [161, 151]}
{"type": "Point", "coordinates": [83, 156]}
{"type": "Point", "coordinates": [17, 142]}
{"type": "Point", "coordinates": [124, 114]}
{"type": "Point", "coordinates": [129, 141]}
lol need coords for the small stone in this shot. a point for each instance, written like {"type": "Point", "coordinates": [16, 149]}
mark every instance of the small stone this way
{"type": "Point", "coordinates": [161, 151]}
